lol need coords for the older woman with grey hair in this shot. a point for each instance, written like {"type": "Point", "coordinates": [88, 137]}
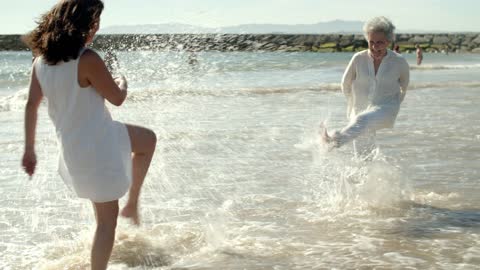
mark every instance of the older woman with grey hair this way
{"type": "Point", "coordinates": [374, 83]}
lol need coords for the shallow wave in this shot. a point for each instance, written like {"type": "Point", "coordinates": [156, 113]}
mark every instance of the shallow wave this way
{"type": "Point", "coordinates": [17, 101]}
{"type": "Point", "coordinates": [327, 87]}
{"type": "Point", "coordinates": [14, 102]}
{"type": "Point", "coordinates": [444, 85]}
{"type": "Point", "coordinates": [440, 66]}
{"type": "Point", "coordinates": [151, 94]}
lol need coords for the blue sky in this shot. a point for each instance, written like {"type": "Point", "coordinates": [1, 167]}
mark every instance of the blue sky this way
{"type": "Point", "coordinates": [18, 16]}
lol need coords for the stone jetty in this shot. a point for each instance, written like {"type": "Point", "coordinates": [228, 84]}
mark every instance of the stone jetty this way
{"type": "Point", "coordinates": [456, 42]}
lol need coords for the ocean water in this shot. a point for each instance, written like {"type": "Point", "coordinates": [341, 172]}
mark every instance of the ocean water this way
{"type": "Point", "coordinates": [239, 179]}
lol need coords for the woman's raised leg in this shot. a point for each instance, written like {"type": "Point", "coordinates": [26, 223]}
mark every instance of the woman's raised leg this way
{"type": "Point", "coordinates": [143, 142]}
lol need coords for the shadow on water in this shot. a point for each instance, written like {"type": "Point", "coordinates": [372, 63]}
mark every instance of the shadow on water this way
{"type": "Point", "coordinates": [426, 221]}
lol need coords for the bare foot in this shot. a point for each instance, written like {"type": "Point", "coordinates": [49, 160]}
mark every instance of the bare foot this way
{"type": "Point", "coordinates": [327, 139]}
{"type": "Point", "coordinates": [324, 134]}
{"type": "Point", "coordinates": [131, 212]}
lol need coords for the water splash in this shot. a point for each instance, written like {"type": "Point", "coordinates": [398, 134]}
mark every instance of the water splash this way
{"type": "Point", "coordinates": [341, 182]}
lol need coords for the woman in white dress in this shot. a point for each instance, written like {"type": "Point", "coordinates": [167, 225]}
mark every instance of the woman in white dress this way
{"type": "Point", "coordinates": [100, 159]}
{"type": "Point", "coordinates": [374, 83]}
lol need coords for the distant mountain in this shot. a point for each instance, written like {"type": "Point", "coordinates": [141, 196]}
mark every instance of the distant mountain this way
{"type": "Point", "coordinates": [166, 28]}
{"type": "Point", "coordinates": [337, 26]}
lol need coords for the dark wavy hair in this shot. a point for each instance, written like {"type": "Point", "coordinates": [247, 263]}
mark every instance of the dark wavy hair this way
{"type": "Point", "coordinates": [63, 31]}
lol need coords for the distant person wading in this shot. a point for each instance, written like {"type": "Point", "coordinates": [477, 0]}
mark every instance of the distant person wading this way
{"type": "Point", "coordinates": [419, 53]}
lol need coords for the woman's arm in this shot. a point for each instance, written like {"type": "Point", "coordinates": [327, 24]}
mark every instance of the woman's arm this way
{"type": "Point", "coordinates": [348, 77]}
{"type": "Point", "coordinates": [35, 95]}
{"type": "Point", "coordinates": [93, 69]}
{"type": "Point", "coordinates": [347, 80]}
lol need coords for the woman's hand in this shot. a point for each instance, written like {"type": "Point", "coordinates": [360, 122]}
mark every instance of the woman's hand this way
{"type": "Point", "coordinates": [29, 162]}
{"type": "Point", "coordinates": [121, 82]}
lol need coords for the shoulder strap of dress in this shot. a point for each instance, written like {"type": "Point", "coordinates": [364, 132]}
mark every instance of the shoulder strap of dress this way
{"type": "Point", "coordinates": [37, 63]}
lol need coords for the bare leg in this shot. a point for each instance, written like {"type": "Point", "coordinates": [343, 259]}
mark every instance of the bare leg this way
{"type": "Point", "coordinates": [106, 215]}
{"type": "Point", "coordinates": [143, 143]}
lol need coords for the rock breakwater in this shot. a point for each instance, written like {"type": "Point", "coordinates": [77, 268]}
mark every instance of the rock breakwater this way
{"type": "Point", "coordinates": [464, 43]}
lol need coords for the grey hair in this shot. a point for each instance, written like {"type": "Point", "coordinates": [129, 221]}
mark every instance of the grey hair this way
{"type": "Point", "coordinates": [379, 25]}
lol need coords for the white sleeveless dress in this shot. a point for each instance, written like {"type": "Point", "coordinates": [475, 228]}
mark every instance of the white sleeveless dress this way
{"type": "Point", "coordinates": [95, 151]}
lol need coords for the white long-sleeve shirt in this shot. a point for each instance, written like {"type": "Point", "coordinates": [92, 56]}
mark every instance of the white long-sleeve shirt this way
{"type": "Point", "coordinates": [366, 90]}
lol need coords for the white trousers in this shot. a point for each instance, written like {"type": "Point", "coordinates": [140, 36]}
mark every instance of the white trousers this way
{"type": "Point", "coordinates": [362, 129]}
